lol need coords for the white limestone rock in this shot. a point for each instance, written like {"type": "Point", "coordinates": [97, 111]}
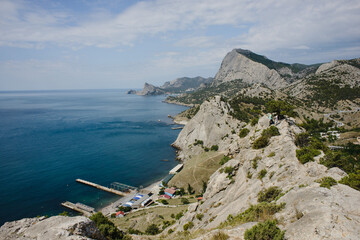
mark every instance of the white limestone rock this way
{"type": "Point", "coordinates": [236, 66]}
{"type": "Point", "coordinates": [55, 228]}
{"type": "Point", "coordinates": [213, 125]}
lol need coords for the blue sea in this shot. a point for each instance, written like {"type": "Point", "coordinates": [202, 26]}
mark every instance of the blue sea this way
{"type": "Point", "coordinates": [50, 138]}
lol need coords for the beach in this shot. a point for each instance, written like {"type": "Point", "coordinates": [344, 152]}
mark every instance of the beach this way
{"type": "Point", "coordinates": [112, 208]}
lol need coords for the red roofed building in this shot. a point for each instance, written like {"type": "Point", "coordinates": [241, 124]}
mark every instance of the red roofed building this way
{"type": "Point", "coordinates": [165, 196]}
{"type": "Point", "coordinates": [170, 191]}
{"type": "Point", "coordinates": [120, 214]}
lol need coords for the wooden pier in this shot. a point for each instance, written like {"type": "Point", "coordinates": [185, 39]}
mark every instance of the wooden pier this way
{"type": "Point", "coordinates": [79, 207]}
{"type": "Point", "coordinates": [102, 187]}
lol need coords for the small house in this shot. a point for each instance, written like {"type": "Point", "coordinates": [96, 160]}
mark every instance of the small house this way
{"type": "Point", "coordinates": [120, 214]}
{"type": "Point", "coordinates": [170, 191]}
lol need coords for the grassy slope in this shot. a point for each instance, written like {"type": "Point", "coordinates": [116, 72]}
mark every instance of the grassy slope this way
{"type": "Point", "coordinates": [196, 170]}
{"type": "Point", "coordinates": [140, 220]}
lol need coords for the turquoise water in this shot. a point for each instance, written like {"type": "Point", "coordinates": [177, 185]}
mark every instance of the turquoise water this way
{"type": "Point", "coordinates": [50, 138]}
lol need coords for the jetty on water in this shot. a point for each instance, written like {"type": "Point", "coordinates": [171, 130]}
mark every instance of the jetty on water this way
{"type": "Point", "coordinates": [116, 188]}
{"type": "Point", "coordinates": [79, 207]}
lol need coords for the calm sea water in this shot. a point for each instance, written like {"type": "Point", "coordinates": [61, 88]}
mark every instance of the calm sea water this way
{"type": "Point", "coordinates": [50, 138]}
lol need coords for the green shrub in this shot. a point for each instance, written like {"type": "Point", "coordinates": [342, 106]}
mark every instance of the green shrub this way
{"type": "Point", "coordinates": [106, 227]}
{"type": "Point", "coordinates": [214, 147]}
{"type": "Point", "coordinates": [302, 140]}
{"type": "Point", "coordinates": [342, 160]}
{"type": "Point", "coordinates": [264, 231]}
{"type": "Point", "coordinates": [166, 224]}
{"type": "Point", "coordinates": [262, 174]}
{"type": "Point", "coordinates": [190, 189]}
{"type": "Point", "coordinates": [264, 139]}
{"type": "Point", "coordinates": [64, 213]}
{"type": "Point", "coordinates": [272, 154]}
{"type": "Point", "coordinates": [353, 180]}
{"type": "Point", "coordinates": [280, 108]}
{"type": "Point", "coordinates": [152, 229]}
{"type": "Point", "coordinates": [220, 236]}
{"type": "Point", "coordinates": [244, 132]}
{"type": "Point", "coordinates": [314, 126]}
{"type": "Point", "coordinates": [204, 186]}
{"type": "Point", "coordinates": [199, 216]}
{"type": "Point", "coordinates": [260, 212]}
{"type": "Point", "coordinates": [271, 131]}
{"type": "Point", "coordinates": [254, 121]}
{"type": "Point", "coordinates": [179, 215]}
{"type": "Point", "coordinates": [124, 209]}
{"type": "Point", "coordinates": [188, 226]}
{"type": "Point", "coordinates": [327, 182]}
{"type": "Point", "coordinates": [163, 201]}
{"type": "Point", "coordinates": [261, 142]}
{"type": "Point", "coordinates": [228, 170]}
{"type": "Point", "coordinates": [254, 162]}
{"type": "Point", "coordinates": [269, 195]}
{"type": "Point", "coordinates": [170, 231]}
{"type": "Point", "coordinates": [134, 231]}
{"type": "Point", "coordinates": [198, 142]}
{"type": "Point", "coordinates": [185, 201]}
{"type": "Point", "coordinates": [224, 160]}
{"type": "Point", "coordinates": [306, 154]}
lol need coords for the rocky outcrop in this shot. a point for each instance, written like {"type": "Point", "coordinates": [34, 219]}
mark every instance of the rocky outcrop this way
{"type": "Point", "coordinates": [58, 227]}
{"type": "Point", "coordinates": [131, 91]}
{"type": "Point", "coordinates": [213, 125]}
{"type": "Point", "coordinates": [150, 90]}
{"type": "Point", "coordinates": [236, 66]}
{"type": "Point", "coordinates": [311, 211]}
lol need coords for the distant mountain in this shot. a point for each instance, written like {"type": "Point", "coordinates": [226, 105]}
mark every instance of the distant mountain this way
{"type": "Point", "coordinates": [179, 85]}
{"type": "Point", "coordinates": [149, 90]}
{"type": "Point", "coordinates": [334, 84]}
{"type": "Point", "coordinates": [186, 84]}
{"type": "Point", "coordinates": [253, 68]}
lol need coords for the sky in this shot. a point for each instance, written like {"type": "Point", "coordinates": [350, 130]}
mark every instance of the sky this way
{"type": "Point", "coordinates": [111, 44]}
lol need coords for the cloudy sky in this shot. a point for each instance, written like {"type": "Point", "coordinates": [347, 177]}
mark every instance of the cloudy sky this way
{"type": "Point", "coordinates": [84, 44]}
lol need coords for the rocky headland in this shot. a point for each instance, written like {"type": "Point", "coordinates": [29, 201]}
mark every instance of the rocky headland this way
{"type": "Point", "coordinates": [179, 85]}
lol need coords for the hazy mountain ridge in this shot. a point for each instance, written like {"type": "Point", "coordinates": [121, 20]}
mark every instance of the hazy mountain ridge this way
{"type": "Point", "coordinates": [179, 85]}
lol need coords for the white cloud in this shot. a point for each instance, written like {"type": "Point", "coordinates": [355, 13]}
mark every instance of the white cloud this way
{"type": "Point", "coordinates": [273, 23]}
{"type": "Point", "coordinates": [179, 37]}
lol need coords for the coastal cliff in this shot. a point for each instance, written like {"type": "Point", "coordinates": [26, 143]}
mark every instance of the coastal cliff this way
{"type": "Point", "coordinates": [309, 211]}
